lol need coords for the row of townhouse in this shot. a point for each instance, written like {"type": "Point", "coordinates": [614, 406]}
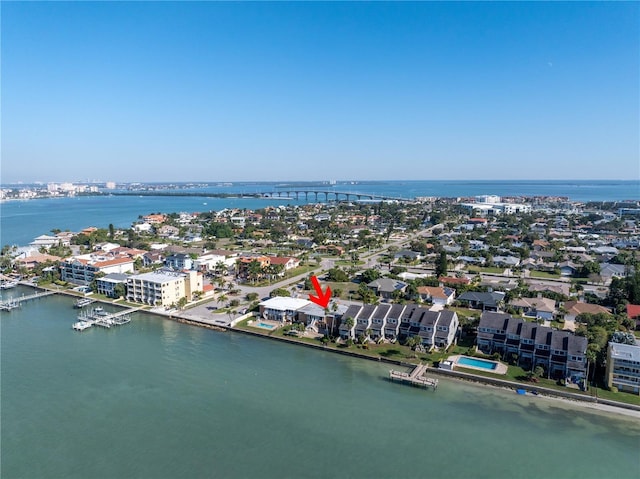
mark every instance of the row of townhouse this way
{"type": "Point", "coordinates": [393, 322]}
{"type": "Point", "coordinates": [561, 353]}
{"type": "Point", "coordinates": [389, 322]}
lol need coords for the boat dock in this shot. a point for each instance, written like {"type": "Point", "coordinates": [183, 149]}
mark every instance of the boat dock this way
{"type": "Point", "coordinates": [415, 377]}
{"type": "Point", "coordinates": [82, 302]}
{"type": "Point", "coordinates": [98, 317]}
{"type": "Point", "coordinates": [13, 303]}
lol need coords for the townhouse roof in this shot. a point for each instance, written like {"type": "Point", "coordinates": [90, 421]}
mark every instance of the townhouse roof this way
{"type": "Point", "coordinates": [396, 311]}
{"type": "Point", "coordinates": [381, 311]}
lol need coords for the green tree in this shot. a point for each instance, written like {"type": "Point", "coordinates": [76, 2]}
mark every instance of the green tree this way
{"type": "Point", "coordinates": [337, 275]}
{"type": "Point", "coordinates": [279, 292]}
{"type": "Point", "coordinates": [182, 302]}
{"type": "Point", "coordinates": [441, 265]}
{"type": "Point", "coordinates": [119, 290]}
{"type": "Point", "coordinates": [369, 275]}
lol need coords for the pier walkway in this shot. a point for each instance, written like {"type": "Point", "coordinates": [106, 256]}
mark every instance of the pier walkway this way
{"type": "Point", "coordinates": [102, 319]}
{"type": "Point", "coordinates": [415, 377]}
{"type": "Point", "coordinates": [13, 303]}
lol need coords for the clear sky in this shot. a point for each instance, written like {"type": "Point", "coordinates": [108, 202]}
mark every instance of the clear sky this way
{"type": "Point", "coordinates": [315, 91]}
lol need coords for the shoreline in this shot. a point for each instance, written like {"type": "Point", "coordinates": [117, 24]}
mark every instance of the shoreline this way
{"type": "Point", "coordinates": [565, 397]}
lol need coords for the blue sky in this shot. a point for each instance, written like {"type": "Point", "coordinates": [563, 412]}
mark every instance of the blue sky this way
{"type": "Point", "coordinates": [315, 91]}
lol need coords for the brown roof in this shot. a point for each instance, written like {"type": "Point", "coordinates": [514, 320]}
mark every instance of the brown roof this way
{"type": "Point", "coordinates": [577, 307]}
{"type": "Point", "coordinates": [433, 291]}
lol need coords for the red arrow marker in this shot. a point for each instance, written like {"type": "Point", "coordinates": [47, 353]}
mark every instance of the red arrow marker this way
{"type": "Point", "coordinates": [322, 299]}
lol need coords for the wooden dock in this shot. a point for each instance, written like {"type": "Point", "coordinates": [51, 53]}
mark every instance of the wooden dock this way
{"type": "Point", "coordinates": [15, 302]}
{"type": "Point", "coordinates": [415, 377]}
{"type": "Point", "coordinates": [89, 318]}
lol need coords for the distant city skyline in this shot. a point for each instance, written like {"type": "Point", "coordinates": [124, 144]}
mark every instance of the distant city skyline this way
{"type": "Point", "coordinates": [207, 91]}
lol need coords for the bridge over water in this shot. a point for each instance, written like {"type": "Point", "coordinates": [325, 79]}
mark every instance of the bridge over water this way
{"type": "Point", "coordinates": [328, 195]}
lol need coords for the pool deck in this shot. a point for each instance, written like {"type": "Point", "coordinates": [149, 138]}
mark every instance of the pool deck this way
{"type": "Point", "coordinates": [259, 323]}
{"type": "Point", "coordinates": [500, 368]}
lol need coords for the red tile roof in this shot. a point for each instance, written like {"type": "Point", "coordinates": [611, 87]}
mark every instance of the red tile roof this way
{"type": "Point", "coordinates": [633, 310]}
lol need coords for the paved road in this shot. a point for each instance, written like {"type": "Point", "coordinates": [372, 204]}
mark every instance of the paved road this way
{"type": "Point", "coordinates": [207, 309]}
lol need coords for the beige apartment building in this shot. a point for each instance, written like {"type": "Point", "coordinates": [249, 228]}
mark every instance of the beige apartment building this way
{"type": "Point", "coordinates": [163, 288]}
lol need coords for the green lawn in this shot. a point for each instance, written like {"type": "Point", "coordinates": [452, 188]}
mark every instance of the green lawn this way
{"type": "Point", "coordinates": [544, 274]}
{"type": "Point", "coordinates": [466, 312]}
{"type": "Point", "coordinates": [477, 269]}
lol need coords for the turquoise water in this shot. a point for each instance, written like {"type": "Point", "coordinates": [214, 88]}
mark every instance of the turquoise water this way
{"type": "Point", "coordinates": [21, 221]}
{"type": "Point", "coordinates": [478, 363]}
{"type": "Point", "coordinates": [265, 325]}
{"type": "Point", "coordinates": [156, 399]}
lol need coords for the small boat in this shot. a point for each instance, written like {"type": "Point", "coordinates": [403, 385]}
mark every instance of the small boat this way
{"type": "Point", "coordinates": [521, 391]}
{"type": "Point", "coordinates": [6, 284]}
{"type": "Point", "coordinates": [100, 312]}
{"type": "Point", "coordinates": [82, 302]}
{"type": "Point", "coordinates": [82, 325]}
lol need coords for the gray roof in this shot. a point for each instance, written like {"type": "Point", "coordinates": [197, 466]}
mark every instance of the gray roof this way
{"type": "Point", "coordinates": [492, 298]}
{"type": "Point", "coordinates": [396, 311]}
{"type": "Point", "coordinates": [626, 352]}
{"type": "Point", "coordinates": [387, 285]}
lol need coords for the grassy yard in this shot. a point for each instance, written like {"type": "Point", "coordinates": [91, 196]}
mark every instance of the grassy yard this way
{"type": "Point", "coordinates": [465, 312]}
{"type": "Point", "coordinates": [492, 269]}
{"type": "Point", "coordinates": [544, 275]}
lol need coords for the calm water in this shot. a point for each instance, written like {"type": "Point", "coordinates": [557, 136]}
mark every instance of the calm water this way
{"type": "Point", "coordinates": [159, 399]}
{"type": "Point", "coordinates": [21, 221]}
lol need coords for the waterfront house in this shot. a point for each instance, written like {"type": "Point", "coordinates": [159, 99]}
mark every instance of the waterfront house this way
{"type": "Point", "coordinates": [347, 330]}
{"type": "Point", "coordinates": [623, 367]}
{"type": "Point", "coordinates": [378, 321]}
{"type": "Point", "coordinates": [282, 309]}
{"type": "Point", "coordinates": [107, 284]}
{"type": "Point", "coordinates": [363, 321]}
{"type": "Point", "coordinates": [392, 322]}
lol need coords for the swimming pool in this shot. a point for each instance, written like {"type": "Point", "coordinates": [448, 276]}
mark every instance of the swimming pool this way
{"type": "Point", "coordinates": [476, 363]}
{"type": "Point", "coordinates": [266, 326]}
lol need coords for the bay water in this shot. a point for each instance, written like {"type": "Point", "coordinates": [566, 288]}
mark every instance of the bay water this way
{"type": "Point", "coordinates": [156, 399]}
{"type": "Point", "coordinates": [21, 221]}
